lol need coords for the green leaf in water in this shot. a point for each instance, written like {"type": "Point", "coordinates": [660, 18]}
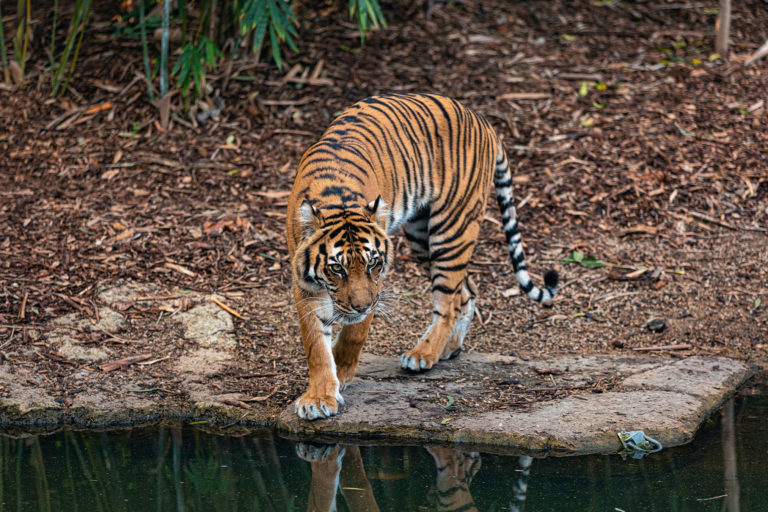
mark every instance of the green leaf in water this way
{"type": "Point", "coordinates": [445, 421]}
{"type": "Point", "coordinates": [584, 89]}
{"type": "Point", "coordinates": [451, 401]}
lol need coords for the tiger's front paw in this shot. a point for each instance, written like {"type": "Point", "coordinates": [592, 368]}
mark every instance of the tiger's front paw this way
{"type": "Point", "coordinates": [312, 407]}
{"type": "Point", "coordinates": [416, 361]}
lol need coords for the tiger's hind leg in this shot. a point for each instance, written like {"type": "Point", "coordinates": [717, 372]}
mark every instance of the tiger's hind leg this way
{"type": "Point", "coordinates": [417, 233]}
{"type": "Point", "coordinates": [449, 252]}
{"type": "Point", "coordinates": [465, 312]}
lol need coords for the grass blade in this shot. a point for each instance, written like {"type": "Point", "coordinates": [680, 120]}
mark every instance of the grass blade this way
{"type": "Point", "coordinates": [4, 59]}
{"type": "Point", "coordinates": [79, 43]}
{"type": "Point", "coordinates": [145, 49]}
{"type": "Point", "coordinates": [51, 59]}
{"type": "Point", "coordinates": [68, 45]}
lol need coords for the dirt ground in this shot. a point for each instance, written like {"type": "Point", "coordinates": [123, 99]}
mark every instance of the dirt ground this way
{"type": "Point", "coordinates": [631, 143]}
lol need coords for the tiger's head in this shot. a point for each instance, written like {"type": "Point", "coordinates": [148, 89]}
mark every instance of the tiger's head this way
{"type": "Point", "coordinates": [346, 252]}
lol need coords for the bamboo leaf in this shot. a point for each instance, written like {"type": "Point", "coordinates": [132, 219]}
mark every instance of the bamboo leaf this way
{"type": "Point", "coordinates": [3, 58]}
{"type": "Point", "coordinates": [275, 47]}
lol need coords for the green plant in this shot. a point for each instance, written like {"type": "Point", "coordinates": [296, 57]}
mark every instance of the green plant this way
{"type": "Point", "coordinates": [3, 58]}
{"type": "Point", "coordinates": [164, 44]}
{"type": "Point", "coordinates": [205, 32]}
{"type": "Point", "coordinates": [584, 261]}
{"type": "Point", "coordinates": [368, 13]}
{"type": "Point", "coordinates": [275, 16]}
{"type": "Point", "coordinates": [21, 41]}
{"type": "Point", "coordinates": [190, 65]}
{"type": "Point", "coordinates": [53, 33]}
{"type": "Point", "coordinates": [81, 11]}
{"type": "Point", "coordinates": [145, 49]}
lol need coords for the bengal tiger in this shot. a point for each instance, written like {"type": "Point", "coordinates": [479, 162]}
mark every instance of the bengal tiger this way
{"type": "Point", "coordinates": [341, 468]}
{"type": "Point", "coordinates": [422, 162]}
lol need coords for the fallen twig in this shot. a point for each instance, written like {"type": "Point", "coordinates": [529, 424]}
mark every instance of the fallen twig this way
{"type": "Point", "coordinates": [236, 403]}
{"type": "Point", "coordinates": [260, 398]}
{"type": "Point", "coordinates": [179, 268]}
{"type": "Point", "coordinates": [724, 224]}
{"type": "Point", "coordinates": [124, 363]}
{"type": "Point", "coordinates": [160, 297]}
{"type": "Point", "coordinates": [23, 305]}
{"type": "Point", "coordinates": [712, 498]}
{"type": "Point", "coordinates": [147, 363]}
{"type": "Point", "coordinates": [227, 308]}
{"type": "Point", "coordinates": [680, 346]}
{"type": "Point", "coordinates": [58, 357]}
{"type": "Point", "coordinates": [524, 96]}
{"type": "Point", "coordinates": [759, 53]}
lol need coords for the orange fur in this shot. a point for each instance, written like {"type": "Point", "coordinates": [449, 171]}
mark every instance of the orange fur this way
{"type": "Point", "coordinates": [423, 162]}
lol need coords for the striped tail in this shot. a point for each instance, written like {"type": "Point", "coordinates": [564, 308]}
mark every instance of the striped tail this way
{"type": "Point", "coordinates": [502, 178]}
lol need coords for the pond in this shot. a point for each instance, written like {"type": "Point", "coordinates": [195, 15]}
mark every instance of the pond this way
{"type": "Point", "coordinates": [183, 468]}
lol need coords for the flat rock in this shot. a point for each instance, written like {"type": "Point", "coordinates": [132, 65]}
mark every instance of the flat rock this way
{"type": "Point", "coordinates": [76, 350]}
{"type": "Point", "coordinates": [108, 321]}
{"type": "Point", "coordinates": [667, 399]}
{"type": "Point", "coordinates": [208, 326]}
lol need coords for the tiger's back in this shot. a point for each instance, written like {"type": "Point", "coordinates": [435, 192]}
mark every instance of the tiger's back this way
{"type": "Point", "coordinates": [411, 149]}
{"type": "Point", "coordinates": [422, 162]}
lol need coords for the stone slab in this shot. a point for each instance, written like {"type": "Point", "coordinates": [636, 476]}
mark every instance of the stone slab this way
{"type": "Point", "coordinates": [668, 399]}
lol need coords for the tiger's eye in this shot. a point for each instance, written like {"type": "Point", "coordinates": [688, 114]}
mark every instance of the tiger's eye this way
{"type": "Point", "coordinates": [336, 268]}
{"type": "Point", "coordinates": [373, 262]}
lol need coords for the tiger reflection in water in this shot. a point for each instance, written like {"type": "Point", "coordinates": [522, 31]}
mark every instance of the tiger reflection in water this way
{"type": "Point", "coordinates": [340, 467]}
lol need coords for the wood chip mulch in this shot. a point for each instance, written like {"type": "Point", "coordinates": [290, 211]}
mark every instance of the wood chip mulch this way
{"type": "Point", "coordinates": [628, 143]}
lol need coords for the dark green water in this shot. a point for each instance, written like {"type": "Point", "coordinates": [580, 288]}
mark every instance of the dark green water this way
{"type": "Point", "coordinates": [185, 469]}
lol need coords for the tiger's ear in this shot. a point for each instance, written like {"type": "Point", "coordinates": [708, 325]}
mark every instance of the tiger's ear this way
{"type": "Point", "coordinates": [377, 210]}
{"type": "Point", "coordinates": [311, 217]}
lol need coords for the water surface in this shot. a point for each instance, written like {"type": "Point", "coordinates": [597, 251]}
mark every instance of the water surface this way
{"type": "Point", "coordinates": [182, 468]}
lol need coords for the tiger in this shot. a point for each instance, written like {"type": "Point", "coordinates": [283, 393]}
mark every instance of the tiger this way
{"type": "Point", "coordinates": [422, 162]}
{"type": "Point", "coordinates": [337, 467]}
{"type": "Point", "coordinates": [455, 471]}
{"type": "Point", "coordinates": [340, 467]}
